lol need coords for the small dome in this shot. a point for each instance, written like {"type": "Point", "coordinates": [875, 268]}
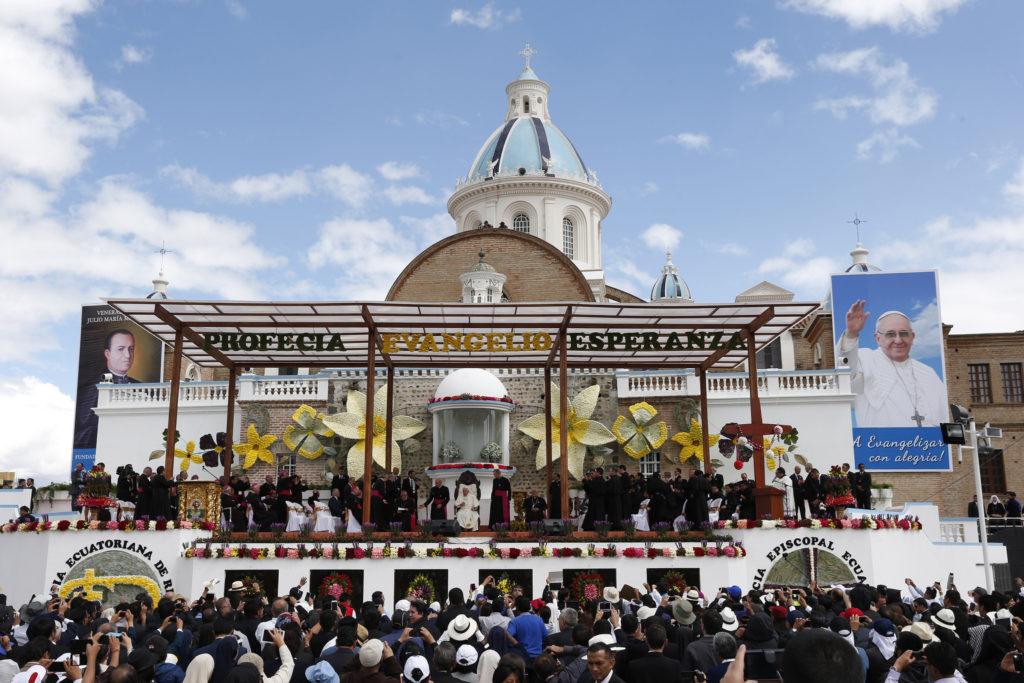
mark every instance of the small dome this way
{"type": "Point", "coordinates": [528, 75]}
{"type": "Point", "coordinates": [860, 265]}
{"type": "Point", "coordinates": [482, 266]}
{"type": "Point", "coordinates": [473, 381]}
{"type": "Point", "coordinates": [669, 285]}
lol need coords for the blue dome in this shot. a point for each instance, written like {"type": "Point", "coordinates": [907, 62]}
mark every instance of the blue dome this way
{"type": "Point", "coordinates": [669, 285]}
{"type": "Point", "coordinates": [528, 75]}
{"type": "Point", "coordinates": [531, 144]}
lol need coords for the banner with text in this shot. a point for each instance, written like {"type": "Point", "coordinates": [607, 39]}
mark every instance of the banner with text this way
{"type": "Point", "coordinates": [888, 331]}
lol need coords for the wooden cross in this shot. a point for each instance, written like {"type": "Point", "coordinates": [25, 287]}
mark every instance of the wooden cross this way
{"type": "Point", "coordinates": [766, 500]}
{"type": "Point", "coordinates": [527, 52]}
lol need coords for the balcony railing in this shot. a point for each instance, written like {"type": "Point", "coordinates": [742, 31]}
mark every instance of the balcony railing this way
{"type": "Point", "coordinates": [299, 388]}
{"type": "Point", "coordinates": [769, 383]}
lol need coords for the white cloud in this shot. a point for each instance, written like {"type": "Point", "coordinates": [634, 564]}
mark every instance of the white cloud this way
{"type": "Point", "coordinates": [51, 109]}
{"type": "Point", "coordinates": [885, 145]}
{"type": "Point", "coordinates": [44, 415]}
{"type": "Point", "coordinates": [237, 9]}
{"type": "Point", "coordinates": [395, 170]}
{"type": "Point", "coordinates": [438, 119]}
{"type": "Point", "coordinates": [920, 16]}
{"type": "Point", "coordinates": [623, 273]}
{"type": "Point", "coordinates": [649, 188]}
{"type": "Point", "coordinates": [695, 141]}
{"type": "Point", "coordinates": [1014, 188]}
{"type": "Point", "coordinates": [732, 249]}
{"type": "Point", "coordinates": [370, 254]}
{"type": "Point", "coordinates": [487, 17]}
{"type": "Point", "coordinates": [407, 194]}
{"type": "Point", "coordinates": [342, 182]}
{"type": "Point", "coordinates": [430, 229]}
{"type": "Point", "coordinates": [346, 184]}
{"type": "Point", "coordinates": [743, 21]}
{"type": "Point", "coordinates": [898, 99]}
{"type": "Point", "coordinates": [661, 236]}
{"type": "Point", "coordinates": [797, 268]}
{"type": "Point", "coordinates": [133, 54]}
{"type": "Point", "coordinates": [764, 62]}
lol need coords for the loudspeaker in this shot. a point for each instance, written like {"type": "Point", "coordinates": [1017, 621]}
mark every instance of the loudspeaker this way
{"type": "Point", "coordinates": [444, 527]}
{"type": "Point", "coordinates": [555, 527]}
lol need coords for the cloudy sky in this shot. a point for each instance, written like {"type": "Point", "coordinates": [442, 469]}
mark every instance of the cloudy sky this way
{"type": "Point", "coordinates": [306, 150]}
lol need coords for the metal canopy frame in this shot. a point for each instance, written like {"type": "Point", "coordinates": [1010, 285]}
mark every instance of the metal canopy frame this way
{"type": "Point", "coordinates": [361, 327]}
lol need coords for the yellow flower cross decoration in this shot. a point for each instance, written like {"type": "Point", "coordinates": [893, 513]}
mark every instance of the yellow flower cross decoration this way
{"type": "Point", "coordinates": [580, 429]}
{"type": "Point", "coordinates": [351, 424]}
{"type": "Point", "coordinates": [693, 442]}
{"type": "Point", "coordinates": [640, 436]}
{"type": "Point", "coordinates": [188, 456]}
{"type": "Point", "coordinates": [258, 448]}
{"type": "Point", "coordinates": [772, 454]}
{"type": "Point", "coordinates": [305, 439]}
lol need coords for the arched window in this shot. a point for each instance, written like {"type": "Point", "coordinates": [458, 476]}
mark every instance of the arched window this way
{"type": "Point", "coordinates": [568, 237]}
{"type": "Point", "coordinates": [521, 223]}
{"type": "Point", "coordinates": [477, 225]}
{"type": "Point", "coordinates": [526, 105]}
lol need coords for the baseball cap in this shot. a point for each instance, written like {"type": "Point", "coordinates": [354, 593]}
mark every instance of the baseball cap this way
{"type": "Point", "coordinates": [466, 655]}
{"type": "Point", "coordinates": [417, 669]}
{"type": "Point", "coordinates": [371, 652]}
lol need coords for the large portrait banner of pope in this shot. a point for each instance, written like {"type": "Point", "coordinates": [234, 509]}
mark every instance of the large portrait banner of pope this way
{"type": "Point", "coordinates": [888, 332]}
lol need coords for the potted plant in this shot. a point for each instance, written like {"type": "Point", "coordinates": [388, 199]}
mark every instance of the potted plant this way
{"type": "Point", "coordinates": [881, 495]}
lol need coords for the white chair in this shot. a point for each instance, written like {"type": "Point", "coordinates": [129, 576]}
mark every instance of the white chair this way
{"type": "Point", "coordinates": [295, 517]}
{"type": "Point", "coordinates": [323, 520]}
{"type": "Point", "coordinates": [640, 519]}
{"type": "Point", "coordinates": [125, 510]}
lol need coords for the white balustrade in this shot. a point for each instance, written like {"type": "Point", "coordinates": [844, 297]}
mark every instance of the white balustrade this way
{"type": "Point", "coordinates": [721, 384]}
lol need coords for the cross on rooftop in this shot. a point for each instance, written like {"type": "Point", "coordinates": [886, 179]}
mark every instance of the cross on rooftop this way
{"type": "Point", "coordinates": [857, 220]}
{"type": "Point", "coordinates": [163, 251]}
{"type": "Point", "coordinates": [527, 52]}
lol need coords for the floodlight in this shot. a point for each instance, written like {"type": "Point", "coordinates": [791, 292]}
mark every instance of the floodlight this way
{"type": "Point", "coordinates": [959, 414]}
{"type": "Point", "coordinates": [953, 433]}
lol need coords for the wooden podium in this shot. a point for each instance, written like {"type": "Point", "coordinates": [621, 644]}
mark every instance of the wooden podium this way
{"type": "Point", "coordinates": [769, 500]}
{"type": "Point", "coordinates": [199, 501]}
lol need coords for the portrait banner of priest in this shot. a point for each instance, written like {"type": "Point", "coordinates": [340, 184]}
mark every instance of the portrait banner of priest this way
{"type": "Point", "coordinates": [887, 330]}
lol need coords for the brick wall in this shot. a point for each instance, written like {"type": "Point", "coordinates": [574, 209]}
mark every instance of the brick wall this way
{"type": "Point", "coordinates": [536, 271]}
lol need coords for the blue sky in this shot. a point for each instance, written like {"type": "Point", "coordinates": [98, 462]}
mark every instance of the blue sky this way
{"type": "Point", "coordinates": [306, 150]}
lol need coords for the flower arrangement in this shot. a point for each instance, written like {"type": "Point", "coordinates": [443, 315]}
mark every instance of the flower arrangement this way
{"type": "Point", "coordinates": [504, 584]}
{"type": "Point", "coordinates": [335, 585]}
{"type": "Point", "coordinates": [674, 580]}
{"type": "Point", "coordinates": [451, 451]}
{"type": "Point", "coordinates": [207, 550]}
{"type": "Point", "coordinates": [96, 492]}
{"type": "Point", "coordinates": [491, 452]}
{"type": "Point", "coordinates": [421, 588]}
{"type": "Point", "coordinates": [837, 488]}
{"type": "Point", "coordinates": [126, 525]}
{"type": "Point", "coordinates": [878, 522]}
{"type": "Point", "coordinates": [586, 586]}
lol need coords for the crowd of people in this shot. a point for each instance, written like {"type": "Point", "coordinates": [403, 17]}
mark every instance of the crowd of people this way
{"type": "Point", "coordinates": [1009, 510]}
{"type": "Point", "coordinates": [861, 634]}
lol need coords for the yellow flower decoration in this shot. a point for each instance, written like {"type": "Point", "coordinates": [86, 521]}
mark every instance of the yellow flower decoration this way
{"type": "Point", "coordinates": [257, 448]}
{"type": "Point", "coordinates": [640, 438]}
{"type": "Point", "coordinates": [305, 439]}
{"type": "Point", "coordinates": [770, 463]}
{"type": "Point", "coordinates": [188, 456]}
{"type": "Point", "coordinates": [693, 441]}
{"type": "Point", "coordinates": [580, 429]}
{"type": "Point", "coordinates": [352, 425]}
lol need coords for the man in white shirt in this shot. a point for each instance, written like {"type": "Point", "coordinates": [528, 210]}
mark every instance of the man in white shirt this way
{"type": "Point", "coordinates": [893, 389]}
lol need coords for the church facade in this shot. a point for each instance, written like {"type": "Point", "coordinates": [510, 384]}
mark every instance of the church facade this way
{"type": "Point", "coordinates": [528, 229]}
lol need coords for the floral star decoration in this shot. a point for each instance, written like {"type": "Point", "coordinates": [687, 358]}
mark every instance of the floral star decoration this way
{"type": "Point", "coordinates": [641, 435]}
{"type": "Point", "coordinates": [305, 439]}
{"type": "Point", "coordinates": [188, 456]}
{"type": "Point", "coordinates": [351, 424]}
{"type": "Point", "coordinates": [214, 449]}
{"type": "Point", "coordinates": [693, 442]}
{"type": "Point", "coordinates": [258, 448]}
{"type": "Point", "coordinates": [581, 431]}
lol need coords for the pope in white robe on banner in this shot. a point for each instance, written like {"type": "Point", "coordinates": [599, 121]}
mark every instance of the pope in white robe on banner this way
{"type": "Point", "coordinates": [893, 389]}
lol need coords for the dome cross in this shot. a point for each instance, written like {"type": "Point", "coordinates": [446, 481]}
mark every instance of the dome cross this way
{"type": "Point", "coordinates": [528, 52]}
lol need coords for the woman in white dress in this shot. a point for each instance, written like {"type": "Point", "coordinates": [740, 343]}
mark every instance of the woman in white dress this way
{"type": "Point", "coordinates": [467, 507]}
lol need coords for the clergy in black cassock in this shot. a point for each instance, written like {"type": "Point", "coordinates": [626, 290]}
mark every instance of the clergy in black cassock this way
{"type": "Point", "coordinates": [379, 513]}
{"type": "Point", "coordinates": [534, 507]}
{"type": "Point", "coordinates": [161, 506]}
{"type": "Point", "coordinates": [437, 500]}
{"type": "Point", "coordinates": [555, 496]}
{"type": "Point", "coordinates": [501, 495]}
{"type": "Point", "coordinates": [614, 500]}
{"type": "Point", "coordinates": [405, 507]}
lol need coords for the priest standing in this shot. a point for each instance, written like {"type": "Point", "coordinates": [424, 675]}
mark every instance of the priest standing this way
{"type": "Point", "coordinates": [501, 494]}
{"type": "Point", "coordinates": [437, 500]}
{"type": "Point", "coordinates": [555, 496]}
